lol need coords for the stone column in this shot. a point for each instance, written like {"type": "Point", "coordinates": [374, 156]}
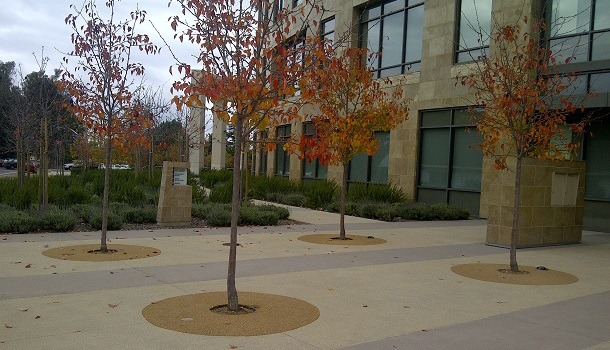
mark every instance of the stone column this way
{"type": "Point", "coordinates": [196, 130]}
{"type": "Point", "coordinates": [219, 143]}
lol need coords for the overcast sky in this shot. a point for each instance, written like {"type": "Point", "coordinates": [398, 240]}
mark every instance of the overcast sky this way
{"type": "Point", "coordinates": [28, 25]}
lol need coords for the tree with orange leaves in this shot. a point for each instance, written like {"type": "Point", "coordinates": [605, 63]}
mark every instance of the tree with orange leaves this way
{"type": "Point", "coordinates": [351, 105]}
{"type": "Point", "coordinates": [101, 81]}
{"type": "Point", "coordinates": [524, 104]}
{"type": "Point", "coordinates": [252, 54]}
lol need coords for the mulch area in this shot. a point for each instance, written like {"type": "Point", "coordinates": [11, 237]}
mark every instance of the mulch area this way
{"type": "Point", "coordinates": [192, 314]}
{"type": "Point", "coordinates": [90, 252]}
{"type": "Point", "coordinates": [527, 275]}
{"type": "Point", "coordinates": [332, 239]}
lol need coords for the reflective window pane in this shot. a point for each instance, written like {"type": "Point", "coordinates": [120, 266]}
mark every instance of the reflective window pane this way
{"type": "Point", "coordinates": [434, 164]}
{"type": "Point", "coordinates": [569, 16]}
{"type": "Point", "coordinates": [370, 40]}
{"type": "Point", "coordinates": [381, 159]}
{"type": "Point", "coordinates": [602, 15]}
{"type": "Point", "coordinates": [309, 169]}
{"type": "Point", "coordinates": [600, 46]}
{"type": "Point", "coordinates": [371, 13]}
{"type": "Point", "coordinates": [393, 28]}
{"type": "Point", "coordinates": [392, 6]}
{"type": "Point", "coordinates": [574, 86]}
{"type": "Point", "coordinates": [599, 83]}
{"type": "Point", "coordinates": [467, 160]}
{"type": "Point", "coordinates": [413, 39]}
{"type": "Point", "coordinates": [475, 23]}
{"type": "Point", "coordinates": [358, 168]}
{"type": "Point", "coordinates": [436, 118]}
{"type": "Point", "coordinates": [576, 48]}
{"type": "Point", "coordinates": [597, 156]}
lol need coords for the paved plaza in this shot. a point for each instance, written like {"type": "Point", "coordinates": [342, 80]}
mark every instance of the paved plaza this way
{"type": "Point", "coordinates": [398, 295]}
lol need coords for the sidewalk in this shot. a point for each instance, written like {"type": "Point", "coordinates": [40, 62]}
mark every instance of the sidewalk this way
{"type": "Point", "coordinates": [398, 295]}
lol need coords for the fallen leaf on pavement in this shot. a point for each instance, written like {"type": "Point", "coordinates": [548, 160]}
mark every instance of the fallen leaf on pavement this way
{"type": "Point", "coordinates": [8, 325]}
{"type": "Point", "coordinates": [28, 266]}
{"type": "Point", "coordinates": [37, 317]}
{"type": "Point", "coordinates": [23, 310]}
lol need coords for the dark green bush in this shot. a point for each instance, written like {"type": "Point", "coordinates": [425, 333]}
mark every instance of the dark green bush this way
{"type": "Point", "coordinates": [209, 178]}
{"type": "Point", "coordinates": [219, 217]}
{"type": "Point", "coordinates": [262, 186]}
{"type": "Point", "coordinates": [199, 210]}
{"type": "Point", "coordinates": [253, 215]}
{"type": "Point", "coordinates": [282, 213]}
{"type": "Point", "coordinates": [222, 193]}
{"type": "Point", "coordinates": [13, 221]}
{"type": "Point", "coordinates": [319, 193]}
{"type": "Point", "coordinates": [146, 215]}
{"type": "Point", "coordinates": [385, 193]}
{"type": "Point", "coordinates": [377, 211]}
{"type": "Point", "coordinates": [58, 220]}
{"type": "Point", "coordinates": [94, 218]}
{"type": "Point", "coordinates": [294, 199]}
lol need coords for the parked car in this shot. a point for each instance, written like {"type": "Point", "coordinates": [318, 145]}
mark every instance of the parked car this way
{"type": "Point", "coordinates": [10, 163]}
{"type": "Point", "coordinates": [120, 167]}
{"type": "Point", "coordinates": [32, 167]}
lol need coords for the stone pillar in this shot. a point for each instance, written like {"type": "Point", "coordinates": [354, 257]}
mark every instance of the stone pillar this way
{"type": "Point", "coordinates": [196, 128]}
{"type": "Point", "coordinates": [175, 196]}
{"type": "Point", "coordinates": [219, 143]}
{"type": "Point", "coordinates": [551, 206]}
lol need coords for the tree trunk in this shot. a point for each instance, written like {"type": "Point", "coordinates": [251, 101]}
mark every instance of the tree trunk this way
{"type": "Point", "coordinates": [342, 202]}
{"type": "Point", "coordinates": [108, 145]}
{"type": "Point", "coordinates": [150, 157]}
{"type": "Point", "coordinates": [44, 162]}
{"type": "Point", "coordinates": [232, 302]}
{"type": "Point", "coordinates": [514, 234]}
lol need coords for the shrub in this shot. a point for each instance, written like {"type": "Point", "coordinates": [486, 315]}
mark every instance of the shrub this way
{"type": "Point", "coordinates": [13, 221]}
{"type": "Point", "coordinates": [281, 212]}
{"type": "Point", "coordinates": [198, 210]}
{"type": "Point", "coordinates": [253, 215]}
{"type": "Point", "coordinates": [262, 186]}
{"type": "Point", "coordinates": [377, 211]}
{"type": "Point", "coordinates": [294, 199]}
{"type": "Point", "coordinates": [94, 218]}
{"type": "Point", "coordinates": [356, 192]}
{"type": "Point", "coordinates": [146, 215]}
{"type": "Point", "coordinates": [58, 220]}
{"type": "Point", "coordinates": [222, 193]}
{"type": "Point", "coordinates": [385, 193]}
{"type": "Point", "coordinates": [219, 217]}
{"type": "Point", "coordinates": [209, 178]}
{"type": "Point", "coordinates": [319, 193]}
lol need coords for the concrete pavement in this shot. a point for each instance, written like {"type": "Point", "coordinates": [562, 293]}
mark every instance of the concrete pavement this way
{"type": "Point", "coordinates": [399, 295]}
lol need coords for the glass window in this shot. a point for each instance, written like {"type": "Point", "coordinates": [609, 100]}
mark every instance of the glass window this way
{"type": "Point", "coordinates": [434, 162]}
{"type": "Point", "coordinates": [450, 163]}
{"type": "Point", "coordinates": [358, 168]}
{"type": "Point", "coordinates": [282, 158]}
{"type": "Point", "coordinates": [365, 168]}
{"type": "Point", "coordinates": [296, 3]}
{"type": "Point", "coordinates": [579, 29]}
{"type": "Point", "coordinates": [312, 169]}
{"type": "Point", "coordinates": [474, 30]}
{"type": "Point", "coordinates": [394, 29]}
{"type": "Point", "coordinates": [327, 29]}
{"type": "Point", "coordinates": [381, 159]}
{"type": "Point", "coordinates": [599, 82]}
{"type": "Point", "coordinates": [597, 144]}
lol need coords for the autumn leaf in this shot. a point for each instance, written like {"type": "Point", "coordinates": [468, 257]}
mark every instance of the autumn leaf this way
{"type": "Point", "coordinates": [8, 325]}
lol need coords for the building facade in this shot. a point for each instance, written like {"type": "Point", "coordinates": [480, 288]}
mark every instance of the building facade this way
{"type": "Point", "coordinates": [433, 156]}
